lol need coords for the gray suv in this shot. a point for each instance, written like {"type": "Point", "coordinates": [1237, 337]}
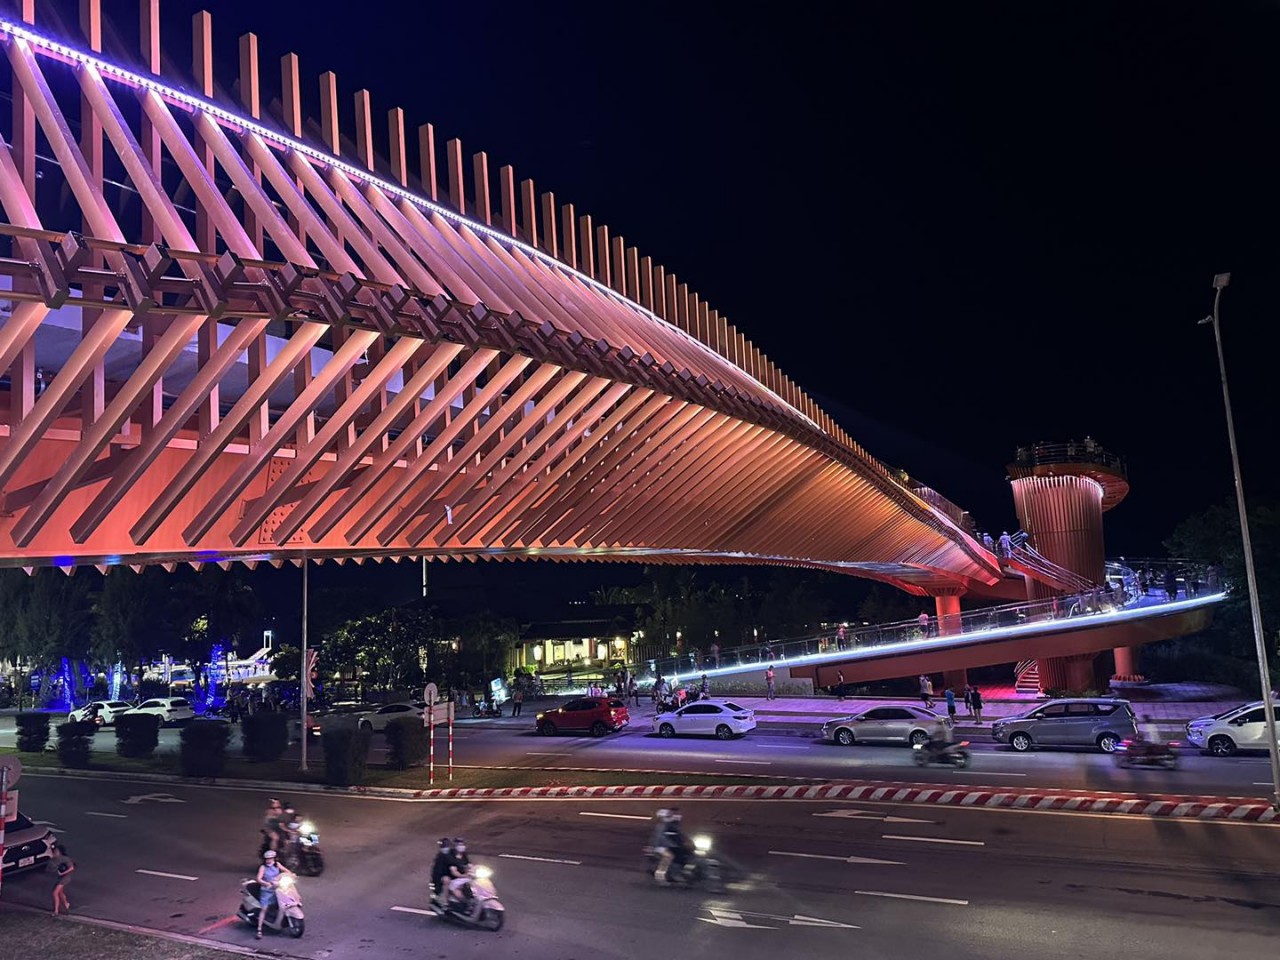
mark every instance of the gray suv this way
{"type": "Point", "coordinates": [1082, 722]}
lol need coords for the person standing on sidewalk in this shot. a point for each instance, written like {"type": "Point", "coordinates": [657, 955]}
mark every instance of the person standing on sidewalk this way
{"type": "Point", "coordinates": [840, 684]}
{"type": "Point", "coordinates": [517, 701]}
{"type": "Point", "coordinates": [975, 700]}
{"type": "Point", "coordinates": [968, 700]}
{"type": "Point", "coordinates": [926, 691]}
{"type": "Point", "coordinates": [951, 705]}
{"type": "Point", "coordinates": [768, 683]}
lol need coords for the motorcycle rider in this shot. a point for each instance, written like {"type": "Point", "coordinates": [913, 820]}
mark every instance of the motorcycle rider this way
{"type": "Point", "coordinates": [673, 846]}
{"type": "Point", "coordinates": [940, 738]}
{"type": "Point", "coordinates": [459, 874]}
{"type": "Point", "coordinates": [440, 870]}
{"type": "Point", "coordinates": [268, 878]}
{"type": "Point", "coordinates": [271, 824]}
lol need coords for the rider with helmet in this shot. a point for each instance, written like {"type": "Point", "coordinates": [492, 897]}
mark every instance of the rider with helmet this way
{"type": "Point", "coordinates": [673, 847]}
{"type": "Point", "coordinates": [459, 872]}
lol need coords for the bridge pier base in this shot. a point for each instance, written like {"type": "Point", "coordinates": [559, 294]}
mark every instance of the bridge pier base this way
{"type": "Point", "coordinates": [1127, 665]}
{"type": "Point", "coordinates": [957, 680]}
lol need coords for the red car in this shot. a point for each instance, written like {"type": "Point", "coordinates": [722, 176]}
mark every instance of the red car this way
{"type": "Point", "coordinates": [594, 715]}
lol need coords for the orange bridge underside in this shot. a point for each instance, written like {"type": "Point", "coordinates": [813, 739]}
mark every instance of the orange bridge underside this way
{"type": "Point", "coordinates": [321, 364]}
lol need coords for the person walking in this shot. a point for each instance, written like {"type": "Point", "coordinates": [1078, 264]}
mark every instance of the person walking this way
{"type": "Point", "coordinates": [923, 620]}
{"type": "Point", "coordinates": [517, 701]}
{"type": "Point", "coordinates": [634, 691]}
{"type": "Point", "coordinates": [840, 684]}
{"type": "Point", "coordinates": [976, 699]}
{"type": "Point", "coordinates": [770, 693]}
{"type": "Point", "coordinates": [926, 691]}
{"type": "Point", "coordinates": [951, 705]}
{"type": "Point", "coordinates": [63, 867]}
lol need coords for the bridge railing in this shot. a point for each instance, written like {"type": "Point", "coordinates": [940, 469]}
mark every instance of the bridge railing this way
{"type": "Point", "coordinates": [1123, 589]}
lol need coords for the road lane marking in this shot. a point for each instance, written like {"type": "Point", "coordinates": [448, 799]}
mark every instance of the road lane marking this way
{"type": "Point", "coordinates": [516, 856]}
{"type": "Point", "coordinates": [171, 876]}
{"type": "Point", "coordinates": [532, 753]}
{"type": "Point", "coordinates": [869, 815]}
{"type": "Point", "coordinates": [985, 773]}
{"type": "Point", "coordinates": [754, 763]}
{"type": "Point", "coordinates": [825, 856]}
{"type": "Point", "coordinates": [777, 746]}
{"type": "Point", "coordinates": [417, 910]}
{"type": "Point", "coordinates": [911, 896]}
{"type": "Point", "coordinates": [962, 843]}
{"type": "Point", "coordinates": [113, 816]}
{"type": "Point", "coordinates": [614, 816]}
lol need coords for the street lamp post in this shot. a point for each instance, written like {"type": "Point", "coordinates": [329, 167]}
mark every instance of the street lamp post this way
{"type": "Point", "coordinates": [1220, 282]}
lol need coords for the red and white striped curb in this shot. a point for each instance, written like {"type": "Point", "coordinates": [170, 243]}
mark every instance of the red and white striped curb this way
{"type": "Point", "coordinates": [1249, 809]}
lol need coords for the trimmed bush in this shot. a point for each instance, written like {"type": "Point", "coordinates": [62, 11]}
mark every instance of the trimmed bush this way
{"type": "Point", "coordinates": [33, 732]}
{"type": "Point", "coordinates": [265, 735]}
{"type": "Point", "coordinates": [406, 742]}
{"type": "Point", "coordinates": [204, 748]}
{"type": "Point", "coordinates": [346, 754]}
{"type": "Point", "coordinates": [74, 743]}
{"type": "Point", "coordinates": [137, 734]}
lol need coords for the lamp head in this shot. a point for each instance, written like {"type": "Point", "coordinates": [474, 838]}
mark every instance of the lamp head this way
{"type": "Point", "coordinates": [1220, 280]}
{"type": "Point", "coordinates": [1208, 319]}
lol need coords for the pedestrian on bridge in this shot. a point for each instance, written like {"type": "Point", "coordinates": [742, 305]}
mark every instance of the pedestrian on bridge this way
{"type": "Point", "coordinates": [1006, 544]}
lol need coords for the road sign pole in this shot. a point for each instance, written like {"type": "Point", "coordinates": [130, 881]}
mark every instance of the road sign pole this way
{"type": "Point", "coordinates": [451, 706]}
{"type": "Point", "coordinates": [431, 744]}
{"type": "Point", "coordinates": [304, 677]}
{"type": "Point", "coordinates": [4, 815]}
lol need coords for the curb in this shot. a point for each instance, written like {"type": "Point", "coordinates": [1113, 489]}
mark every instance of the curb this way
{"type": "Point", "coordinates": [1170, 806]}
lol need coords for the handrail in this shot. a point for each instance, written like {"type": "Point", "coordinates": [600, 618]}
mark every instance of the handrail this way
{"type": "Point", "coordinates": [1073, 451]}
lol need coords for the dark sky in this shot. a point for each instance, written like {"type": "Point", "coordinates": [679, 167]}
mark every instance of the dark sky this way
{"type": "Point", "coordinates": [960, 226]}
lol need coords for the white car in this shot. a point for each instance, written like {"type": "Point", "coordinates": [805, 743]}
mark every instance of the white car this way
{"type": "Point", "coordinates": [108, 710]}
{"type": "Point", "coordinates": [26, 844]}
{"type": "Point", "coordinates": [892, 723]}
{"type": "Point", "coordinates": [377, 720]}
{"type": "Point", "coordinates": [168, 709]}
{"type": "Point", "coordinates": [1240, 728]}
{"type": "Point", "coordinates": [706, 718]}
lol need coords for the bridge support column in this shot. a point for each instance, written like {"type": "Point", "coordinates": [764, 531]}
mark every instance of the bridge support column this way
{"type": "Point", "coordinates": [948, 624]}
{"type": "Point", "coordinates": [1073, 674]}
{"type": "Point", "coordinates": [1127, 665]}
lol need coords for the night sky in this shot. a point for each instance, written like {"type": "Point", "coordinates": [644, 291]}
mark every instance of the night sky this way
{"type": "Point", "coordinates": [960, 226]}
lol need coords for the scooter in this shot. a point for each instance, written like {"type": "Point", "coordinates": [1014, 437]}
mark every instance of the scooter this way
{"type": "Point", "coordinates": [487, 708]}
{"type": "Point", "coordinates": [478, 906]}
{"type": "Point", "coordinates": [947, 754]}
{"type": "Point", "coordinates": [1147, 753]}
{"type": "Point", "coordinates": [284, 914]}
{"type": "Point", "coordinates": [299, 847]}
{"type": "Point", "coordinates": [701, 869]}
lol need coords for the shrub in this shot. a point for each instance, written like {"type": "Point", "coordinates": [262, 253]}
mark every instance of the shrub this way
{"type": "Point", "coordinates": [406, 742]}
{"type": "Point", "coordinates": [33, 732]}
{"type": "Point", "coordinates": [137, 734]}
{"type": "Point", "coordinates": [346, 754]}
{"type": "Point", "coordinates": [204, 748]}
{"type": "Point", "coordinates": [265, 735]}
{"type": "Point", "coordinates": [74, 743]}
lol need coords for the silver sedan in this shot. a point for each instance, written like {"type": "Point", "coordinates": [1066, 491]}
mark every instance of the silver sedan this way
{"type": "Point", "coordinates": [891, 723]}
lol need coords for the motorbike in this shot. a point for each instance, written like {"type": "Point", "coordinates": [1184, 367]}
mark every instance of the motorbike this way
{"type": "Point", "coordinates": [701, 869]}
{"type": "Point", "coordinates": [478, 906]}
{"type": "Point", "coordinates": [945, 754]}
{"type": "Point", "coordinates": [487, 708]}
{"type": "Point", "coordinates": [1147, 753]}
{"type": "Point", "coordinates": [299, 848]}
{"type": "Point", "coordinates": [284, 914]}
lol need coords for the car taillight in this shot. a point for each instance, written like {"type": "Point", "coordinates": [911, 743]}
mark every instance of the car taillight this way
{"type": "Point", "coordinates": [741, 716]}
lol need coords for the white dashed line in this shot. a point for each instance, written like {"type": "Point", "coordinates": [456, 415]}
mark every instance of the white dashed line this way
{"type": "Point", "coordinates": [170, 876]}
{"type": "Point", "coordinates": [962, 843]}
{"type": "Point", "coordinates": [417, 910]}
{"type": "Point", "coordinates": [910, 896]}
{"type": "Point", "coordinates": [754, 763]}
{"type": "Point", "coordinates": [516, 856]}
{"type": "Point", "coordinates": [613, 816]}
{"type": "Point", "coordinates": [826, 856]}
{"type": "Point", "coordinates": [113, 816]}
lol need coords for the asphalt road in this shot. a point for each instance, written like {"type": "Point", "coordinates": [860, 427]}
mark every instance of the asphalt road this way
{"type": "Point", "coordinates": [958, 883]}
{"type": "Point", "coordinates": [769, 752]}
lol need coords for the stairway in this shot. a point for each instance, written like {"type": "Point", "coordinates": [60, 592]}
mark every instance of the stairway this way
{"type": "Point", "coordinates": [1027, 673]}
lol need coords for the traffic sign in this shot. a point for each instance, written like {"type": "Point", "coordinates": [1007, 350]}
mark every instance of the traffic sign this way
{"type": "Point", "coordinates": [431, 693]}
{"type": "Point", "coordinates": [14, 766]}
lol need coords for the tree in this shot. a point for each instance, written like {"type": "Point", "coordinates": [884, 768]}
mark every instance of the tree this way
{"type": "Point", "coordinates": [134, 616]}
{"type": "Point", "coordinates": [50, 617]}
{"type": "Point", "coordinates": [228, 612]}
{"type": "Point", "coordinates": [483, 643]}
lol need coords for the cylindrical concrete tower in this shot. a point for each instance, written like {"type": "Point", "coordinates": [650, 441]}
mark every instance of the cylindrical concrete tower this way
{"type": "Point", "coordinates": [1060, 491]}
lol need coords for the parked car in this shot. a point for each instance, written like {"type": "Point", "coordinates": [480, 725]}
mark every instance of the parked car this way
{"type": "Point", "coordinates": [168, 709]}
{"type": "Point", "coordinates": [108, 710]}
{"type": "Point", "coordinates": [378, 719]}
{"type": "Point", "coordinates": [1240, 728]}
{"type": "Point", "coordinates": [896, 723]}
{"type": "Point", "coordinates": [26, 845]}
{"type": "Point", "coordinates": [706, 718]}
{"type": "Point", "coordinates": [594, 715]}
{"type": "Point", "coordinates": [1080, 722]}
